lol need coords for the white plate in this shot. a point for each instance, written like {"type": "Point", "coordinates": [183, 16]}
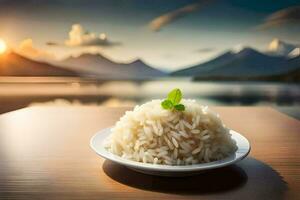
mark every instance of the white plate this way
{"type": "Point", "coordinates": [97, 144]}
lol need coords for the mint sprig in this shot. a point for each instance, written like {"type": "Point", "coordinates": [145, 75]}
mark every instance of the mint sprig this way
{"type": "Point", "coordinates": [173, 101]}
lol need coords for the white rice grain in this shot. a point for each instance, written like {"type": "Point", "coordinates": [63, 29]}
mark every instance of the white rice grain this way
{"type": "Point", "coordinates": [195, 131]}
{"type": "Point", "coordinates": [187, 124]}
{"type": "Point", "coordinates": [197, 150]}
{"type": "Point", "coordinates": [175, 142]}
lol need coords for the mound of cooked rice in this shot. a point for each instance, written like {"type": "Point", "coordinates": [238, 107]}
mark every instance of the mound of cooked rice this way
{"type": "Point", "coordinates": [151, 134]}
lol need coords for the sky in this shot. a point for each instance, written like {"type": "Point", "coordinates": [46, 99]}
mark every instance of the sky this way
{"type": "Point", "coordinates": [168, 34]}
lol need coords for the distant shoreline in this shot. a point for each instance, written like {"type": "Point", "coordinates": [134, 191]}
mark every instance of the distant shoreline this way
{"type": "Point", "coordinates": [68, 79]}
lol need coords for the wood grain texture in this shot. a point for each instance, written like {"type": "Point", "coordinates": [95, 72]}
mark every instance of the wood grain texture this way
{"type": "Point", "coordinates": [45, 154]}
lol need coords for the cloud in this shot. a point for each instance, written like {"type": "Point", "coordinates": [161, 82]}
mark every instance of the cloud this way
{"type": "Point", "coordinates": [161, 21]}
{"type": "Point", "coordinates": [281, 17]}
{"type": "Point", "coordinates": [27, 49]}
{"type": "Point", "coordinates": [205, 50]}
{"type": "Point", "coordinates": [80, 37]}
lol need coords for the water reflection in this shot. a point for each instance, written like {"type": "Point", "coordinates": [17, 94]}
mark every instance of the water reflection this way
{"type": "Point", "coordinates": [120, 93]}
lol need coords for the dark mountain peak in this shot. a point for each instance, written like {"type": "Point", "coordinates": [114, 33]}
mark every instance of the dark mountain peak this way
{"type": "Point", "coordinates": [88, 56]}
{"type": "Point", "coordinates": [243, 50]}
{"type": "Point", "coordinates": [248, 52]}
{"type": "Point", "coordinates": [248, 49]}
{"type": "Point", "coordinates": [137, 62]}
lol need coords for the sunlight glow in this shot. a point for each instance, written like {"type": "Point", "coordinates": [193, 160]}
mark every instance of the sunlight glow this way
{"type": "Point", "coordinates": [3, 46]}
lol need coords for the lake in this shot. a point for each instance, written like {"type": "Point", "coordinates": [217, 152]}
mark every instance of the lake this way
{"type": "Point", "coordinates": [19, 92]}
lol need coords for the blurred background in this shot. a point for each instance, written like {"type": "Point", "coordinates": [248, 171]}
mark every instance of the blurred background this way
{"type": "Point", "coordinates": [125, 52]}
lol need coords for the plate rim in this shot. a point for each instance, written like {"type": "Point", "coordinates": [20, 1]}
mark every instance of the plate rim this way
{"type": "Point", "coordinates": [168, 168]}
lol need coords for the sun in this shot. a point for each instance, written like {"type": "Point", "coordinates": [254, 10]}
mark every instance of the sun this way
{"type": "Point", "coordinates": [3, 46]}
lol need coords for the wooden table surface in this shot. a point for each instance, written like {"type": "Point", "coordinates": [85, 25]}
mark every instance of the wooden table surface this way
{"type": "Point", "coordinates": [45, 154]}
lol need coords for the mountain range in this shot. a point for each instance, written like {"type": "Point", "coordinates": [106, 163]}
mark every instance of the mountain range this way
{"type": "Point", "coordinates": [85, 65]}
{"type": "Point", "coordinates": [280, 59]}
{"type": "Point", "coordinates": [13, 64]}
{"type": "Point", "coordinates": [244, 64]}
{"type": "Point", "coordinates": [96, 65]}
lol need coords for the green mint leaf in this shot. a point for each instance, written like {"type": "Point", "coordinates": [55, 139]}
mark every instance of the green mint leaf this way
{"type": "Point", "coordinates": [175, 96]}
{"type": "Point", "coordinates": [167, 104]}
{"type": "Point", "coordinates": [179, 107]}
